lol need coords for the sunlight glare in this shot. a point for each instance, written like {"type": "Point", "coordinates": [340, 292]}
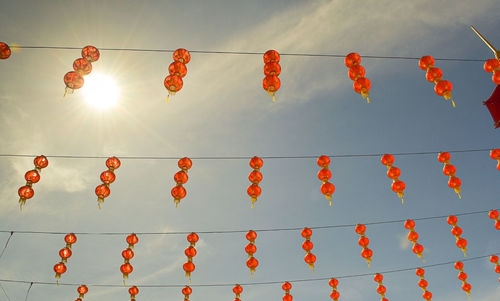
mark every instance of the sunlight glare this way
{"type": "Point", "coordinates": [100, 91]}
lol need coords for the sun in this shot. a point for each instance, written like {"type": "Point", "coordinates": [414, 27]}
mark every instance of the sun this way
{"type": "Point", "coordinates": [100, 91]}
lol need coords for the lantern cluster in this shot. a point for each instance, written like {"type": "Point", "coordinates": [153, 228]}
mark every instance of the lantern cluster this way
{"type": "Point", "coordinates": [31, 176]}
{"type": "Point", "coordinates": [307, 245]}
{"type": "Point", "coordinates": [255, 177]}
{"type": "Point", "coordinates": [413, 238]}
{"type": "Point", "coordinates": [81, 66]}
{"type": "Point", "coordinates": [363, 242]}
{"type": "Point", "coordinates": [107, 177]}
{"type": "Point", "coordinates": [272, 69]}
{"type": "Point", "coordinates": [393, 173]}
{"type": "Point", "coordinates": [422, 283]}
{"type": "Point", "coordinates": [186, 291]}
{"type": "Point", "coordinates": [190, 252]}
{"type": "Point", "coordinates": [181, 178]}
{"type": "Point", "coordinates": [457, 232]}
{"type": "Point", "coordinates": [462, 276]}
{"type": "Point", "coordinates": [82, 290]}
{"type": "Point", "coordinates": [64, 253]}
{"type": "Point", "coordinates": [495, 155]}
{"type": "Point", "coordinates": [493, 66]}
{"type": "Point", "coordinates": [287, 286]}
{"type": "Point", "coordinates": [380, 288]}
{"type": "Point", "coordinates": [450, 170]}
{"type": "Point", "coordinates": [133, 291]}
{"type": "Point", "coordinates": [356, 73]}
{"type": "Point", "coordinates": [237, 290]}
{"type": "Point", "coordinates": [494, 260]}
{"type": "Point", "coordinates": [335, 295]}
{"type": "Point", "coordinates": [126, 268]}
{"type": "Point", "coordinates": [4, 51]}
{"type": "Point", "coordinates": [494, 215]}
{"type": "Point", "coordinates": [177, 70]}
{"type": "Point", "coordinates": [250, 248]}
{"type": "Point", "coordinates": [434, 75]}
{"type": "Point", "coordinates": [324, 175]}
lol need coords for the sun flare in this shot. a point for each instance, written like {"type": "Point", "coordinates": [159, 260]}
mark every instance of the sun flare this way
{"type": "Point", "coordinates": [100, 91]}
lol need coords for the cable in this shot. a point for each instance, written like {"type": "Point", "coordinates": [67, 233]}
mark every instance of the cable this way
{"type": "Point", "coordinates": [248, 157]}
{"type": "Point", "coordinates": [256, 283]}
{"type": "Point", "coordinates": [6, 244]}
{"type": "Point", "coordinates": [243, 231]}
{"type": "Point", "coordinates": [329, 55]}
{"type": "Point", "coordinates": [28, 292]}
{"type": "Point", "coordinates": [5, 293]}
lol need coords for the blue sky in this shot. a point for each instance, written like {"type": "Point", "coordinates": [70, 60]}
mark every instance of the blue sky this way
{"type": "Point", "coordinates": [223, 111]}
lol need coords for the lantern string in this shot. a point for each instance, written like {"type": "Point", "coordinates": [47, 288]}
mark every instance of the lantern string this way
{"type": "Point", "coordinates": [328, 55]}
{"type": "Point", "coordinates": [6, 243]}
{"type": "Point", "coordinates": [399, 270]}
{"type": "Point", "coordinates": [5, 293]}
{"type": "Point", "coordinates": [244, 231]}
{"type": "Point", "coordinates": [248, 157]}
{"type": "Point", "coordinates": [28, 292]}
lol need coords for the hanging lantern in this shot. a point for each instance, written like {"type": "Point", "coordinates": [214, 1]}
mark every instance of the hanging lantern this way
{"type": "Point", "coordinates": [181, 178]}
{"type": "Point", "coordinates": [65, 253]}
{"type": "Point", "coordinates": [381, 290]}
{"type": "Point", "coordinates": [495, 155]}
{"type": "Point", "coordinates": [107, 177]}
{"type": "Point", "coordinates": [237, 290]}
{"type": "Point", "coordinates": [364, 242]}
{"type": "Point", "coordinates": [494, 260]}
{"type": "Point", "coordinates": [457, 232]}
{"type": "Point", "coordinates": [307, 245]}
{"type": "Point", "coordinates": [324, 175]}
{"type": "Point", "coordinates": [462, 276]}
{"type": "Point", "coordinates": [287, 286]}
{"type": "Point", "coordinates": [250, 248]}
{"type": "Point", "coordinates": [422, 283]}
{"type": "Point", "coordinates": [255, 177]}
{"type": "Point", "coordinates": [186, 291]}
{"type": "Point", "coordinates": [493, 66]}
{"type": "Point", "coordinates": [418, 249]}
{"type": "Point", "coordinates": [132, 239]}
{"type": "Point", "coordinates": [90, 53]}
{"type": "Point", "coordinates": [126, 268]}
{"type": "Point", "coordinates": [26, 192]}
{"type": "Point", "coordinates": [82, 66]}
{"type": "Point", "coordinates": [493, 105]}
{"type": "Point", "coordinates": [4, 51]}
{"type": "Point", "coordinates": [133, 291]}
{"type": "Point", "coordinates": [190, 252]}
{"type": "Point", "coordinates": [494, 215]}
{"type": "Point", "coordinates": [356, 73]}
{"type": "Point", "coordinates": [82, 290]}
{"type": "Point", "coordinates": [177, 70]}
{"type": "Point", "coordinates": [393, 173]}
{"type": "Point", "coordinates": [59, 268]}
{"type": "Point", "coordinates": [434, 75]}
{"type": "Point", "coordinates": [174, 84]}
{"type": "Point", "coordinates": [449, 170]}
{"type": "Point", "coordinates": [272, 69]}
{"type": "Point", "coordinates": [335, 295]}
{"type": "Point", "coordinates": [181, 55]}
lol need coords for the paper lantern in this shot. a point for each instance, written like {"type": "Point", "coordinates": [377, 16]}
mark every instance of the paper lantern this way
{"type": "Point", "coordinates": [494, 215]}
{"type": "Point", "coordinates": [335, 295]}
{"type": "Point", "coordinates": [287, 286]}
{"type": "Point", "coordinates": [418, 249]}
{"type": "Point", "coordinates": [307, 245]}
{"type": "Point", "coordinates": [59, 268]}
{"type": "Point", "coordinates": [363, 242]}
{"type": "Point", "coordinates": [186, 291]}
{"type": "Point", "coordinates": [356, 73]}
{"type": "Point", "coordinates": [494, 260]}
{"type": "Point", "coordinates": [133, 291]}
{"type": "Point", "coordinates": [493, 105]}
{"type": "Point", "coordinates": [181, 55]}
{"type": "Point", "coordinates": [237, 290]}
{"type": "Point", "coordinates": [65, 253]}
{"type": "Point", "coordinates": [495, 155]}
{"type": "Point", "coordinates": [82, 290]}
{"type": "Point", "coordinates": [26, 192]}
{"type": "Point", "coordinates": [4, 51]}
{"type": "Point", "coordinates": [178, 192]}
{"type": "Point", "coordinates": [271, 82]}
{"type": "Point", "coordinates": [126, 268]}
{"type": "Point", "coordinates": [434, 75]}
{"type": "Point", "coordinates": [393, 173]}
{"type": "Point", "coordinates": [190, 252]}
{"type": "Point", "coordinates": [450, 170]}
{"type": "Point", "coordinates": [324, 175]}
{"type": "Point", "coordinates": [250, 249]}
{"type": "Point", "coordinates": [381, 289]}
{"type": "Point", "coordinates": [107, 177]}
{"type": "Point", "coordinates": [493, 66]}
{"type": "Point", "coordinates": [456, 231]}
{"type": "Point", "coordinates": [177, 70]}
{"type": "Point", "coordinates": [255, 177]}
{"type": "Point", "coordinates": [90, 53]}
{"type": "Point", "coordinates": [462, 276]}
{"type": "Point", "coordinates": [422, 283]}
{"type": "Point", "coordinates": [82, 66]}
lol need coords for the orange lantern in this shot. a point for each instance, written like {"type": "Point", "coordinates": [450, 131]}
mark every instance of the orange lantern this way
{"type": "Point", "coordinates": [177, 70]}
{"type": "Point", "coordinates": [422, 283]}
{"type": "Point", "coordinates": [494, 260]}
{"type": "Point", "coordinates": [107, 177]}
{"type": "Point", "coordinates": [356, 73]}
{"type": "Point", "coordinates": [59, 268]}
{"type": "Point", "coordinates": [181, 178]}
{"type": "Point", "coordinates": [495, 155]}
{"type": "Point", "coordinates": [250, 248]}
{"type": "Point", "coordinates": [393, 173]}
{"type": "Point", "coordinates": [127, 254]}
{"type": "Point", "coordinates": [434, 75]}
{"type": "Point", "coordinates": [381, 290]}
{"type": "Point", "coordinates": [4, 51]}
{"type": "Point", "coordinates": [287, 286]}
{"type": "Point", "coordinates": [364, 242]}
{"type": "Point", "coordinates": [324, 175]}
{"type": "Point", "coordinates": [450, 170]}
{"type": "Point", "coordinates": [335, 295]}
{"type": "Point", "coordinates": [190, 252]}
{"type": "Point", "coordinates": [82, 290]}
{"type": "Point", "coordinates": [462, 276]}
{"type": "Point", "coordinates": [494, 215]}
{"type": "Point", "coordinates": [237, 290]}
{"type": "Point", "coordinates": [272, 69]}
{"type": "Point", "coordinates": [493, 66]}
{"type": "Point", "coordinates": [413, 238]}
{"type": "Point", "coordinates": [133, 291]}
{"type": "Point", "coordinates": [65, 253]}
{"type": "Point", "coordinates": [255, 177]}
{"type": "Point", "coordinates": [31, 176]}
{"type": "Point", "coordinates": [82, 66]}
{"type": "Point", "coordinates": [307, 245]}
{"type": "Point", "coordinates": [132, 239]}
{"type": "Point", "coordinates": [186, 291]}
{"type": "Point", "coordinates": [90, 53]}
{"type": "Point", "coordinates": [457, 232]}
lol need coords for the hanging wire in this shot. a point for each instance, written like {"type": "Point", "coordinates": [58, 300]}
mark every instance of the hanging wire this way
{"type": "Point", "coordinates": [244, 231]}
{"type": "Point", "coordinates": [328, 55]}
{"type": "Point", "coordinates": [28, 292]}
{"type": "Point", "coordinates": [6, 243]}
{"type": "Point", "coordinates": [5, 293]}
{"type": "Point", "coordinates": [257, 283]}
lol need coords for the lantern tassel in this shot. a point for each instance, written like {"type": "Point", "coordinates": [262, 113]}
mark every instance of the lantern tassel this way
{"type": "Point", "coordinates": [457, 190]}
{"type": "Point", "coordinates": [330, 203]}
{"type": "Point", "coordinates": [274, 98]}
{"type": "Point", "coordinates": [453, 103]}
{"type": "Point", "coordinates": [21, 203]}
{"type": "Point", "coordinates": [168, 98]}
{"type": "Point", "coordinates": [368, 261]}
{"type": "Point", "coordinates": [464, 250]}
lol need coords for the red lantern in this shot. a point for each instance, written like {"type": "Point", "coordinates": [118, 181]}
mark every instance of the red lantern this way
{"type": "Point", "coordinates": [493, 105]}
{"type": "Point", "coordinates": [73, 81]}
{"type": "Point", "coordinates": [310, 258]}
{"type": "Point", "coordinates": [393, 173]}
{"type": "Point", "coordinates": [466, 287]}
{"type": "Point", "coordinates": [177, 70]}
{"type": "Point", "coordinates": [271, 82]}
{"type": "Point", "coordinates": [180, 178]}
{"type": "Point", "coordinates": [380, 288]}
{"type": "Point", "coordinates": [255, 177]}
{"type": "Point", "coordinates": [495, 155]}
{"type": "Point", "coordinates": [107, 177]}
{"type": "Point", "coordinates": [126, 269]}
{"type": "Point", "coordinates": [82, 290]}
{"type": "Point", "coordinates": [193, 238]}
{"type": "Point", "coordinates": [494, 215]}
{"type": "Point", "coordinates": [113, 163]}
{"type": "Point", "coordinates": [252, 262]}
{"type": "Point", "coordinates": [132, 239]}
{"type": "Point", "coordinates": [237, 290]}
{"type": "Point", "coordinates": [70, 239]}
{"type": "Point", "coordinates": [90, 53]}
{"type": "Point", "coordinates": [324, 174]}
{"type": "Point", "coordinates": [174, 84]}
{"type": "Point", "coordinates": [287, 286]}
{"type": "Point", "coordinates": [4, 51]}
{"type": "Point", "coordinates": [334, 294]}
{"type": "Point", "coordinates": [494, 260]}
{"type": "Point", "coordinates": [272, 68]}
{"type": "Point", "coordinates": [356, 73]}
{"type": "Point", "coordinates": [449, 170]}
{"type": "Point", "coordinates": [493, 66]}
{"type": "Point", "coordinates": [133, 291]}
{"type": "Point", "coordinates": [181, 55]}
{"type": "Point", "coordinates": [363, 241]}
{"type": "Point", "coordinates": [190, 252]}
{"type": "Point", "coordinates": [59, 268]}
{"type": "Point", "coordinates": [31, 176]}
{"type": "Point", "coordinates": [422, 283]}
{"type": "Point", "coordinates": [65, 253]}
{"type": "Point", "coordinates": [127, 254]}
{"type": "Point", "coordinates": [418, 249]}
{"type": "Point", "coordinates": [434, 75]}
{"type": "Point", "coordinates": [82, 66]}
{"type": "Point", "coordinates": [457, 232]}
{"type": "Point", "coordinates": [186, 291]}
